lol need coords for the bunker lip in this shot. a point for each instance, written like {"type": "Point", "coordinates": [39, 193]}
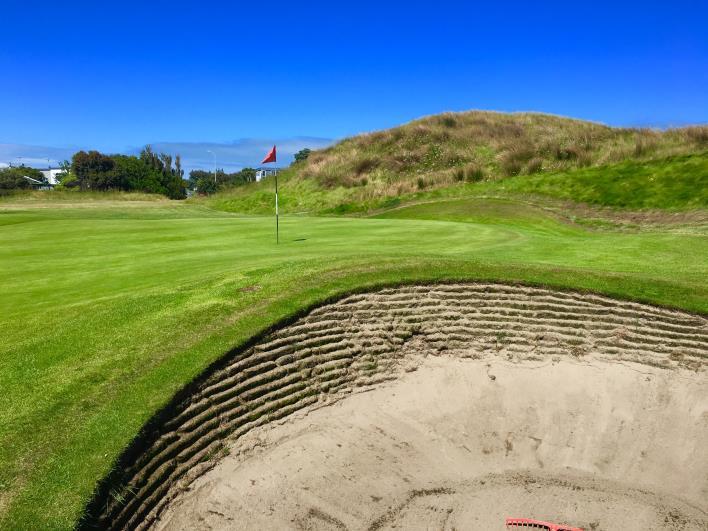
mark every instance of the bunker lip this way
{"type": "Point", "coordinates": [356, 342]}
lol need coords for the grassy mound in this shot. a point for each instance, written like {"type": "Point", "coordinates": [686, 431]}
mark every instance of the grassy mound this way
{"type": "Point", "coordinates": [476, 152]}
{"type": "Point", "coordinates": [476, 145]}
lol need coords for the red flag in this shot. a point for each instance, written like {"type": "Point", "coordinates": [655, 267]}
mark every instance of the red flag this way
{"type": "Point", "coordinates": [270, 157]}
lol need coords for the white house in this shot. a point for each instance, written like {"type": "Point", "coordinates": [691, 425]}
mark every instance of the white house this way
{"type": "Point", "coordinates": [51, 175]}
{"type": "Point", "coordinates": [265, 172]}
{"type": "Point", "coordinates": [38, 185]}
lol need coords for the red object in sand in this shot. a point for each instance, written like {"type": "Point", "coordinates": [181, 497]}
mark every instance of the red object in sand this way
{"type": "Point", "coordinates": [529, 523]}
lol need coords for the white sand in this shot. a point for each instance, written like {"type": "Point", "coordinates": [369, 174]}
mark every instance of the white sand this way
{"type": "Point", "coordinates": [462, 444]}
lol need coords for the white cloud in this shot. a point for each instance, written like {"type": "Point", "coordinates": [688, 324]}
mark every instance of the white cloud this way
{"type": "Point", "coordinates": [35, 156]}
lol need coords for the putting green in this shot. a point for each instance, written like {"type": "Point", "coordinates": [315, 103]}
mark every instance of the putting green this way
{"type": "Point", "coordinates": [108, 310]}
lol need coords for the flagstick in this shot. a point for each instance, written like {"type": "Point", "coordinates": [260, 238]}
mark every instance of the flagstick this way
{"type": "Point", "coordinates": [277, 229]}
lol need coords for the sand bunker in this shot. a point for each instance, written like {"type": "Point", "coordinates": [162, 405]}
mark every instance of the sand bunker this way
{"type": "Point", "coordinates": [440, 407]}
{"type": "Point", "coordinates": [447, 447]}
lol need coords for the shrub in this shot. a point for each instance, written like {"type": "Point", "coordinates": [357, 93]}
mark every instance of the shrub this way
{"type": "Point", "coordinates": [302, 155]}
{"type": "Point", "coordinates": [68, 180]}
{"type": "Point", "coordinates": [448, 121]}
{"type": "Point", "coordinates": [642, 147]}
{"type": "Point", "coordinates": [571, 152]}
{"type": "Point", "coordinates": [328, 179]}
{"type": "Point", "coordinates": [698, 135]}
{"type": "Point", "coordinates": [514, 157]}
{"type": "Point", "coordinates": [510, 167]}
{"type": "Point", "coordinates": [535, 165]}
{"type": "Point", "coordinates": [433, 156]}
{"type": "Point", "coordinates": [473, 173]}
{"type": "Point", "coordinates": [364, 165]}
{"type": "Point", "coordinates": [14, 178]}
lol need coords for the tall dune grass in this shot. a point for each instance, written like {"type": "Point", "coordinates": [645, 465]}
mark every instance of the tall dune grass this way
{"type": "Point", "coordinates": [464, 146]}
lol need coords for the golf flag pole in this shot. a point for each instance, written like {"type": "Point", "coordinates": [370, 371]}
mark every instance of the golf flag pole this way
{"type": "Point", "coordinates": [270, 157]}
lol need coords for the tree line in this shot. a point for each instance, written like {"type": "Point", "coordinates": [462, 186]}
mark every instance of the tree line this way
{"type": "Point", "coordinates": [207, 182]}
{"type": "Point", "coordinates": [157, 173]}
{"type": "Point", "coordinates": [148, 172]}
{"type": "Point", "coordinates": [13, 178]}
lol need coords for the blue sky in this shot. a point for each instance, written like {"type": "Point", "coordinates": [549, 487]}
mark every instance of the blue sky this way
{"type": "Point", "coordinates": [237, 77]}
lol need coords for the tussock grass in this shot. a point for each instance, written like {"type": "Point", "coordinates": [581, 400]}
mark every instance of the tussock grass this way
{"type": "Point", "coordinates": [499, 144]}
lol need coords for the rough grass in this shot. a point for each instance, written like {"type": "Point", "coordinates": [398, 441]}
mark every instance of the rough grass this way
{"type": "Point", "coordinates": [74, 197]}
{"type": "Point", "coordinates": [472, 145]}
{"type": "Point", "coordinates": [679, 182]}
{"type": "Point", "coordinates": [107, 310]}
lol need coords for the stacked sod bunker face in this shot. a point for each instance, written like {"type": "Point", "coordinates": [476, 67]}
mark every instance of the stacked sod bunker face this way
{"type": "Point", "coordinates": [440, 406]}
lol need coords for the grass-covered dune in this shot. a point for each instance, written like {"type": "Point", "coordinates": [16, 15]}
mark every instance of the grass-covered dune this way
{"type": "Point", "coordinates": [476, 145]}
{"type": "Point", "coordinates": [471, 152]}
{"type": "Point", "coordinates": [109, 308]}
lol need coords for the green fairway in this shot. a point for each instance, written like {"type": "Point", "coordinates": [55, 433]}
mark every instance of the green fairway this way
{"type": "Point", "coordinates": [108, 308]}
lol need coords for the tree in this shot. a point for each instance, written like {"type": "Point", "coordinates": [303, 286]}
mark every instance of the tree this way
{"type": "Point", "coordinates": [14, 178]}
{"type": "Point", "coordinates": [203, 181]}
{"type": "Point", "coordinates": [169, 179]}
{"type": "Point", "coordinates": [66, 177]}
{"type": "Point", "coordinates": [206, 185]}
{"type": "Point", "coordinates": [135, 174]}
{"type": "Point", "coordinates": [150, 172]}
{"type": "Point", "coordinates": [248, 175]}
{"type": "Point", "coordinates": [302, 154]}
{"type": "Point", "coordinates": [94, 171]}
{"type": "Point", "coordinates": [178, 166]}
{"type": "Point", "coordinates": [196, 175]}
